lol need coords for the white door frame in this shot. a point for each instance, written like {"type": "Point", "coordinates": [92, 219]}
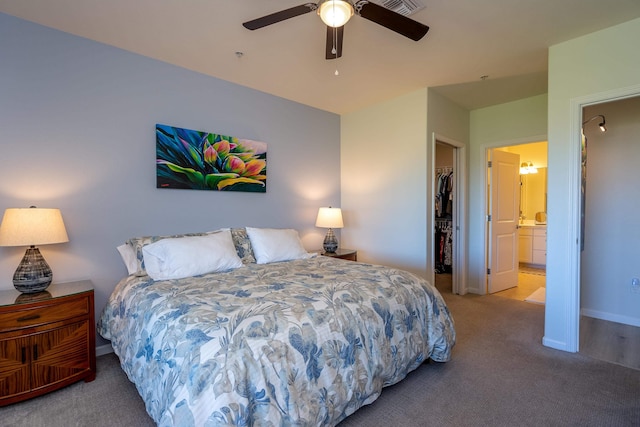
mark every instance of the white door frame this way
{"type": "Point", "coordinates": [573, 302]}
{"type": "Point", "coordinates": [485, 202]}
{"type": "Point", "coordinates": [459, 221]}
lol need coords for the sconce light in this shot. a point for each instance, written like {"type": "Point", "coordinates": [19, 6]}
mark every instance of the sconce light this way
{"type": "Point", "coordinates": [524, 168]}
{"type": "Point", "coordinates": [527, 168]}
{"type": "Point", "coordinates": [30, 227]}
{"type": "Point", "coordinates": [532, 169]}
{"type": "Point", "coordinates": [601, 125]}
{"type": "Point", "coordinates": [335, 13]}
{"type": "Point", "coordinates": [330, 218]}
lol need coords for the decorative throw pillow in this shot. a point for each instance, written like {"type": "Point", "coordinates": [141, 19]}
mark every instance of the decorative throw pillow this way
{"type": "Point", "coordinates": [176, 258]}
{"type": "Point", "coordinates": [243, 245]}
{"type": "Point", "coordinates": [274, 244]}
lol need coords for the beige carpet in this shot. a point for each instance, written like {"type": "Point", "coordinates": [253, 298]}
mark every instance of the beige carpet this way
{"type": "Point", "coordinates": [499, 375]}
{"type": "Point", "coordinates": [538, 297]}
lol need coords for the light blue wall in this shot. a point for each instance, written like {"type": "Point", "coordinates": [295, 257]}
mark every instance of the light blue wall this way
{"type": "Point", "coordinates": [77, 121]}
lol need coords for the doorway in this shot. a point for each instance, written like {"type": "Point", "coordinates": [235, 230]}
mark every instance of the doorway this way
{"type": "Point", "coordinates": [448, 240]}
{"type": "Point", "coordinates": [521, 272]}
{"type": "Point", "coordinates": [444, 206]}
{"type": "Point", "coordinates": [609, 323]}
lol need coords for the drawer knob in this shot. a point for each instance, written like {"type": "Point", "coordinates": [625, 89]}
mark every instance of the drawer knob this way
{"type": "Point", "coordinates": [27, 318]}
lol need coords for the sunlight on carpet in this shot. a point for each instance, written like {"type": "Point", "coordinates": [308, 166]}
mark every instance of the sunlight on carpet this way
{"type": "Point", "coordinates": [538, 297]}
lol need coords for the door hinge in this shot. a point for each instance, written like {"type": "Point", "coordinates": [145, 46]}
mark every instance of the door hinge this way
{"type": "Point", "coordinates": [489, 164]}
{"type": "Point", "coordinates": [488, 218]}
{"type": "Point", "coordinates": [488, 271]}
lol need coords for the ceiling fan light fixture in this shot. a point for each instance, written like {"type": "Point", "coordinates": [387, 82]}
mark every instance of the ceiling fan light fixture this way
{"type": "Point", "coordinates": [335, 13]}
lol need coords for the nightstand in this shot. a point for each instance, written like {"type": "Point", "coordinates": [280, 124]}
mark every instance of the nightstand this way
{"type": "Point", "coordinates": [348, 254]}
{"type": "Point", "coordinates": [47, 340]}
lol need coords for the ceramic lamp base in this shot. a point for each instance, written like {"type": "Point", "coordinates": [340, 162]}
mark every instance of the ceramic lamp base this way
{"type": "Point", "coordinates": [33, 274]}
{"type": "Point", "coordinates": [330, 243]}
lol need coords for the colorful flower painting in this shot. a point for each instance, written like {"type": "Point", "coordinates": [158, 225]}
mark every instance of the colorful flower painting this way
{"type": "Point", "coordinates": [197, 160]}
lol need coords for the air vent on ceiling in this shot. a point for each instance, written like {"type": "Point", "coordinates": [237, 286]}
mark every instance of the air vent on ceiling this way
{"type": "Point", "coordinates": [403, 7]}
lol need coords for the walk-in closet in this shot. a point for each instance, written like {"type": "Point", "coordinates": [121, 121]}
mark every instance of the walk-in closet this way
{"type": "Point", "coordinates": [444, 204]}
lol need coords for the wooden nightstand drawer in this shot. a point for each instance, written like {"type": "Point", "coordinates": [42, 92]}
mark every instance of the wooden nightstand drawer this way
{"type": "Point", "coordinates": [47, 340]}
{"type": "Point", "coordinates": [44, 314]}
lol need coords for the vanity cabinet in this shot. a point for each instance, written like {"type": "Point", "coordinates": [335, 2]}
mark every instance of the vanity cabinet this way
{"type": "Point", "coordinates": [539, 246]}
{"type": "Point", "coordinates": [525, 245]}
{"type": "Point", "coordinates": [532, 242]}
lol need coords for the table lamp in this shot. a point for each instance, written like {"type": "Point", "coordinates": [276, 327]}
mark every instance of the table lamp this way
{"type": "Point", "coordinates": [30, 227]}
{"type": "Point", "coordinates": [330, 218]}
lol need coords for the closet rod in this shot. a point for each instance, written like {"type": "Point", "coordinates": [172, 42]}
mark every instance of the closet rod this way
{"type": "Point", "coordinates": [446, 169]}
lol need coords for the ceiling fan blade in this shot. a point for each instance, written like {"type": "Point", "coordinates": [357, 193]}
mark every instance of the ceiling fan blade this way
{"type": "Point", "coordinates": [392, 20]}
{"type": "Point", "coordinates": [280, 16]}
{"type": "Point", "coordinates": [336, 33]}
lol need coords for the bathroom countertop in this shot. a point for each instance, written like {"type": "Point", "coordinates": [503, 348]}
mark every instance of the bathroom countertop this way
{"type": "Point", "coordinates": [532, 223]}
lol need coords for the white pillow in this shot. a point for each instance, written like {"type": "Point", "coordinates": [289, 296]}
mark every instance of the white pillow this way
{"type": "Point", "coordinates": [273, 244]}
{"type": "Point", "coordinates": [176, 258]}
{"type": "Point", "coordinates": [128, 257]}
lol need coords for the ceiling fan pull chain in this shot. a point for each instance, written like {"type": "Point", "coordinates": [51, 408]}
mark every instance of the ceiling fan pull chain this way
{"type": "Point", "coordinates": [335, 48]}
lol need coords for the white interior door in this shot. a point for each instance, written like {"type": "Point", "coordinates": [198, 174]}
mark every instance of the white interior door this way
{"type": "Point", "coordinates": [504, 211]}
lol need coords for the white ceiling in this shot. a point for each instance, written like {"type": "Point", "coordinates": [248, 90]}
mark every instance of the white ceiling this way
{"type": "Point", "coordinates": [506, 40]}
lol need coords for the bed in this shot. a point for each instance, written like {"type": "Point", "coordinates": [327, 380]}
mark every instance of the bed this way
{"type": "Point", "coordinates": [304, 341]}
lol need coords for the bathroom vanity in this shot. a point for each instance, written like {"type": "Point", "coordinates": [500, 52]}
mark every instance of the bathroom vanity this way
{"type": "Point", "coordinates": [532, 242]}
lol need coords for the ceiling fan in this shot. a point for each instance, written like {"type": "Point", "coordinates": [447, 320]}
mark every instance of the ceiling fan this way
{"type": "Point", "coordinates": [336, 13]}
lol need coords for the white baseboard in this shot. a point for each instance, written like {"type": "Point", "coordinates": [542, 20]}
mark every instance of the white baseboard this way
{"type": "Point", "coordinates": [611, 317]}
{"type": "Point", "coordinates": [555, 344]}
{"type": "Point", "coordinates": [101, 350]}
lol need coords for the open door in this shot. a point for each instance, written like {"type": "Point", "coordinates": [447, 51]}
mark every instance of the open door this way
{"type": "Point", "coordinates": [504, 215]}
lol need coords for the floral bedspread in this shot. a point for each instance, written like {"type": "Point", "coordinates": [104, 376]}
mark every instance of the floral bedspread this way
{"type": "Point", "coordinates": [303, 342]}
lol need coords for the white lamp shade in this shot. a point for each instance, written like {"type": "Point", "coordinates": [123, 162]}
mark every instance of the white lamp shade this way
{"type": "Point", "coordinates": [32, 226]}
{"type": "Point", "coordinates": [335, 13]}
{"type": "Point", "coordinates": [329, 218]}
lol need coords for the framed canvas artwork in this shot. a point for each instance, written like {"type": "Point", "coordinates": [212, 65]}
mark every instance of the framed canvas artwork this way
{"type": "Point", "coordinates": [199, 160]}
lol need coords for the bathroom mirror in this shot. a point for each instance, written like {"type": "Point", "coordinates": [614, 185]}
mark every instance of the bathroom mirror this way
{"type": "Point", "coordinates": [533, 195]}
